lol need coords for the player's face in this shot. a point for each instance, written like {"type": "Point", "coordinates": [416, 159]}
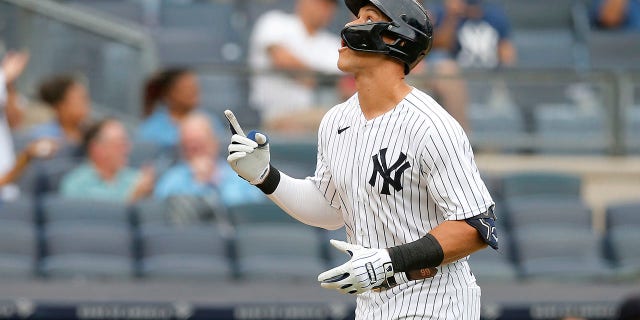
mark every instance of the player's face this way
{"type": "Point", "coordinates": [354, 61]}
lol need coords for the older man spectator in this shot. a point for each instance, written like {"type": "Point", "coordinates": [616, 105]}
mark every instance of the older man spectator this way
{"type": "Point", "coordinates": [202, 172]}
{"type": "Point", "coordinates": [105, 175]}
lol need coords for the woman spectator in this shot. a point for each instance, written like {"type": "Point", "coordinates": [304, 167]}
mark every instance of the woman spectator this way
{"type": "Point", "coordinates": [169, 97]}
{"type": "Point", "coordinates": [71, 104]}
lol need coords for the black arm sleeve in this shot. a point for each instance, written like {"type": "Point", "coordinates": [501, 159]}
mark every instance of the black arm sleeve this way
{"type": "Point", "coordinates": [425, 252]}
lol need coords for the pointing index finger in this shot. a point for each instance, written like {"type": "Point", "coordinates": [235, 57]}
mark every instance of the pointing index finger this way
{"type": "Point", "coordinates": [233, 123]}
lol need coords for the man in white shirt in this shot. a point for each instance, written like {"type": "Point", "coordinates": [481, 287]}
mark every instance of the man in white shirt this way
{"type": "Point", "coordinates": [282, 48]}
{"type": "Point", "coordinates": [11, 67]}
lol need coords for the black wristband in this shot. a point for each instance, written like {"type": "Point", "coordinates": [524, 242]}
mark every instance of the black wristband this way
{"type": "Point", "coordinates": [425, 252]}
{"type": "Point", "coordinates": [271, 181]}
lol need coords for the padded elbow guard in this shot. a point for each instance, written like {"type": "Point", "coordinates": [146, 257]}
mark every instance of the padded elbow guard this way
{"type": "Point", "coordinates": [485, 224]}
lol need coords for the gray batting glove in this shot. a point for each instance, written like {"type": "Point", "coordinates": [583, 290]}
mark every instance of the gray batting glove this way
{"type": "Point", "coordinates": [367, 269]}
{"type": "Point", "coordinates": [248, 155]}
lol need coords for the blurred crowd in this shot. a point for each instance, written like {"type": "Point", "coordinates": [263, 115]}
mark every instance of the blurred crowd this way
{"type": "Point", "coordinates": [176, 145]}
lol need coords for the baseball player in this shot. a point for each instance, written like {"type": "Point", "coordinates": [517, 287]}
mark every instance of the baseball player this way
{"type": "Point", "coordinates": [396, 170]}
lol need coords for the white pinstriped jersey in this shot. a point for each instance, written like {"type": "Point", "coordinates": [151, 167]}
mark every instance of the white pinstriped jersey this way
{"type": "Point", "coordinates": [394, 178]}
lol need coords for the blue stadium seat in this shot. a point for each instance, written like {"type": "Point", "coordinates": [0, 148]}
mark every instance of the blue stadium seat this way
{"type": "Point", "coordinates": [633, 129]}
{"type": "Point", "coordinates": [268, 251]}
{"type": "Point", "coordinates": [554, 252]}
{"type": "Point", "coordinates": [611, 49]}
{"type": "Point", "coordinates": [297, 159]}
{"type": "Point", "coordinates": [254, 213]}
{"type": "Point", "coordinates": [81, 249]}
{"type": "Point", "coordinates": [624, 242]}
{"type": "Point", "coordinates": [18, 250]}
{"type": "Point", "coordinates": [495, 128]}
{"type": "Point", "coordinates": [568, 129]}
{"type": "Point", "coordinates": [540, 184]}
{"type": "Point", "coordinates": [129, 10]}
{"type": "Point", "coordinates": [185, 252]}
{"type": "Point", "coordinates": [61, 209]}
{"type": "Point", "coordinates": [491, 265]}
{"type": "Point", "coordinates": [20, 210]}
{"type": "Point", "coordinates": [623, 214]}
{"type": "Point", "coordinates": [151, 211]}
{"type": "Point", "coordinates": [557, 210]}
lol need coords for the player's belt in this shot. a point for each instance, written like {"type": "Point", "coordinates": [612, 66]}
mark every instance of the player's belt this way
{"type": "Point", "coordinates": [418, 274]}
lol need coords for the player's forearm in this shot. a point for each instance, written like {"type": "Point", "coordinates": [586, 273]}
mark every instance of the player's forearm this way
{"type": "Point", "coordinates": [458, 239]}
{"type": "Point", "coordinates": [302, 200]}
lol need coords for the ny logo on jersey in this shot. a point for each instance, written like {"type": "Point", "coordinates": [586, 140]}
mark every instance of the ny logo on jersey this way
{"type": "Point", "coordinates": [380, 167]}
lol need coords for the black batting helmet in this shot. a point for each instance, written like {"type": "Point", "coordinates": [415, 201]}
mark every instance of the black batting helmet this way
{"type": "Point", "coordinates": [410, 27]}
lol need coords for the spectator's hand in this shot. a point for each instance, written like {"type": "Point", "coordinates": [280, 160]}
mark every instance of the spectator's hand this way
{"type": "Point", "coordinates": [145, 184]}
{"type": "Point", "coordinates": [42, 149]}
{"type": "Point", "coordinates": [13, 64]}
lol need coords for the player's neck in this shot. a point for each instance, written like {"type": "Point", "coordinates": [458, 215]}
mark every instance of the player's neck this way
{"type": "Point", "coordinates": [378, 92]}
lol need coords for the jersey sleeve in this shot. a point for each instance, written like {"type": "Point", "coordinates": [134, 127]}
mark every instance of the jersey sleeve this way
{"type": "Point", "coordinates": [322, 177]}
{"type": "Point", "coordinates": [453, 179]}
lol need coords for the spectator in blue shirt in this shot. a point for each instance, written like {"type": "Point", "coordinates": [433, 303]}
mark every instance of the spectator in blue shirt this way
{"type": "Point", "coordinates": [71, 103]}
{"type": "Point", "coordinates": [469, 34]}
{"type": "Point", "coordinates": [474, 33]}
{"type": "Point", "coordinates": [170, 96]}
{"type": "Point", "coordinates": [202, 172]}
{"type": "Point", "coordinates": [616, 14]}
{"type": "Point", "coordinates": [105, 175]}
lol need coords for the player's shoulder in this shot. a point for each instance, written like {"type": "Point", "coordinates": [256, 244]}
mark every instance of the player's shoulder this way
{"type": "Point", "coordinates": [430, 113]}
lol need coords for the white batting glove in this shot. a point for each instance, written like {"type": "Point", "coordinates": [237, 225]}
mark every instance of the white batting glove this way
{"type": "Point", "coordinates": [248, 155]}
{"type": "Point", "coordinates": [367, 269]}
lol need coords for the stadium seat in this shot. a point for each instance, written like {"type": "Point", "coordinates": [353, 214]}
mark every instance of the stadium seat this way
{"type": "Point", "coordinates": [18, 249]}
{"type": "Point", "coordinates": [495, 128]}
{"type": "Point", "coordinates": [20, 210]}
{"type": "Point", "coordinates": [151, 211]}
{"type": "Point", "coordinates": [491, 265]}
{"type": "Point", "coordinates": [633, 129]}
{"type": "Point", "coordinates": [81, 249]}
{"type": "Point", "coordinates": [554, 252]}
{"type": "Point", "coordinates": [624, 242]}
{"type": "Point", "coordinates": [568, 129]}
{"type": "Point", "coordinates": [614, 50]}
{"type": "Point", "coordinates": [624, 214]}
{"type": "Point", "coordinates": [557, 210]}
{"type": "Point", "coordinates": [254, 213]}
{"type": "Point", "coordinates": [61, 209]}
{"type": "Point", "coordinates": [185, 252]}
{"type": "Point", "coordinates": [271, 251]}
{"type": "Point", "coordinates": [533, 48]}
{"type": "Point", "coordinates": [297, 159]}
{"type": "Point", "coordinates": [540, 184]}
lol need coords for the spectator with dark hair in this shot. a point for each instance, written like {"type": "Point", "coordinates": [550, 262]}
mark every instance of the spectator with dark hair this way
{"type": "Point", "coordinates": [170, 96]}
{"type": "Point", "coordinates": [106, 175]}
{"type": "Point", "coordinates": [616, 14]}
{"type": "Point", "coordinates": [69, 99]}
{"type": "Point", "coordinates": [202, 172]}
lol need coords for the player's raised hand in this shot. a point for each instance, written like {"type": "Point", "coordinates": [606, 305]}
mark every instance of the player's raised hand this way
{"type": "Point", "coordinates": [367, 269]}
{"type": "Point", "coordinates": [248, 154]}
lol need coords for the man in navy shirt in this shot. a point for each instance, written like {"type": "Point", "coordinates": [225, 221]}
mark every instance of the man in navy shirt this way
{"type": "Point", "coordinates": [474, 33]}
